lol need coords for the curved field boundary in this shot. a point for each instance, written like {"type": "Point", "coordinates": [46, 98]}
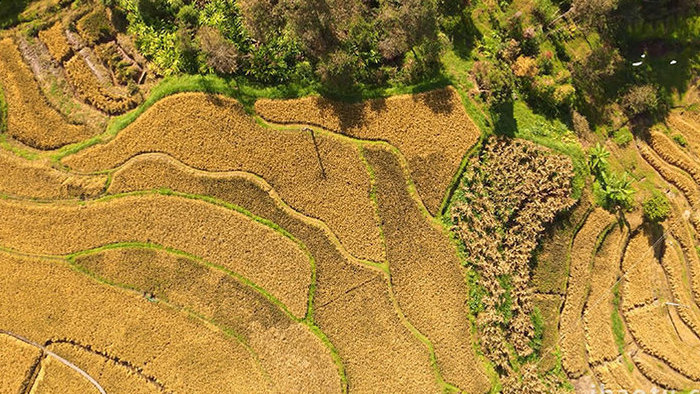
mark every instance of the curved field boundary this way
{"type": "Point", "coordinates": [617, 377]}
{"type": "Point", "coordinates": [672, 154]}
{"type": "Point", "coordinates": [425, 271]}
{"type": "Point", "coordinates": [661, 374]}
{"type": "Point", "coordinates": [18, 364]}
{"type": "Point", "coordinates": [323, 177]}
{"type": "Point", "coordinates": [77, 352]}
{"type": "Point", "coordinates": [673, 263]}
{"type": "Point", "coordinates": [598, 310]}
{"type": "Point", "coordinates": [688, 128]}
{"type": "Point", "coordinates": [431, 129]}
{"type": "Point", "coordinates": [57, 357]}
{"type": "Point", "coordinates": [684, 235]}
{"type": "Point", "coordinates": [91, 90]}
{"type": "Point", "coordinates": [653, 331]}
{"type": "Point", "coordinates": [253, 192]}
{"type": "Point", "coordinates": [675, 176]}
{"type": "Point", "coordinates": [550, 275]}
{"type": "Point", "coordinates": [174, 219]}
{"type": "Point", "coordinates": [234, 303]}
{"type": "Point", "coordinates": [22, 178]}
{"type": "Point", "coordinates": [56, 42]}
{"type": "Point", "coordinates": [572, 339]}
{"type": "Point", "coordinates": [178, 346]}
{"type": "Point", "coordinates": [30, 119]}
{"type": "Point", "coordinates": [641, 268]}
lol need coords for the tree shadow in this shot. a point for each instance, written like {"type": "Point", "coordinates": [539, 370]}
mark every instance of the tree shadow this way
{"type": "Point", "coordinates": [10, 11]}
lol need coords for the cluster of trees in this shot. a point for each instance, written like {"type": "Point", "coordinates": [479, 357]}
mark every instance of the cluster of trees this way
{"type": "Point", "coordinates": [341, 43]}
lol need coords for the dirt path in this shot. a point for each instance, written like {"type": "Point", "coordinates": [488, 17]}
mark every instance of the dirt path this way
{"type": "Point", "coordinates": [57, 357]}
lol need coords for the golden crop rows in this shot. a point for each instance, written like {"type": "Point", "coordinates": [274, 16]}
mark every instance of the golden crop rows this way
{"type": "Point", "coordinates": [56, 377]}
{"type": "Point", "coordinates": [218, 234]}
{"type": "Point", "coordinates": [600, 338]}
{"type": "Point", "coordinates": [431, 129]}
{"type": "Point", "coordinates": [114, 376]}
{"type": "Point", "coordinates": [572, 332]}
{"type": "Point", "coordinates": [168, 344]}
{"type": "Point", "coordinates": [670, 152]}
{"type": "Point", "coordinates": [215, 134]}
{"type": "Point", "coordinates": [30, 119]}
{"type": "Point", "coordinates": [16, 361]}
{"type": "Point", "coordinates": [56, 42]}
{"type": "Point", "coordinates": [654, 332]}
{"type": "Point", "coordinates": [425, 272]}
{"type": "Point", "coordinates": [92, 91]}
{"type": "Point", "coordinates": [616, 376]}
{"type": "Point", "coordinates": [672, 175]}
{"type": "Point", "coordinates": [641, 267]}
{"type": "Point", "coordinates": [280, 343]}
{"type": "Point", "coordinates": [31, 179]}
{"type": "Point", "coordinates": [675, 268]}
{"type": "Point", "coordinates": [661, 374]}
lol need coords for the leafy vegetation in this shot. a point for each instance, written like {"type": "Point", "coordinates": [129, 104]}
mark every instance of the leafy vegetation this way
{"type": "Point", "coordinates": [656, 208]}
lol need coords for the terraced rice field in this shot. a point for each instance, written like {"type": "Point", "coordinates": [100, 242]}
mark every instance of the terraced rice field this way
{"type": "Point", "coordinates": [30, 119]}
{"type": "Point", "coordinates": [198, 256]}
{"type": "Point", "coordinates": [431, 129]}
{"type": "Point", "coordinates": [641, 314]}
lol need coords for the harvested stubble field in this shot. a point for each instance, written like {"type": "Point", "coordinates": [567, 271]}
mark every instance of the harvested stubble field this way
{"type": "Point", "coordinates": [574, 358]}
{"type": "Point", "coordinates": [92, 91]}
{"type": "Point", "coordinates": [431, 129]}
{"type": "Point", "coordinates": [17, 361]}
{"type": "Point", "coordinates": [249, 248]}
{"type": "Point", "coordinates": [35, 179]}
{"type": "Point", "coordinates": [182, 352]}
{"type": "Point", "coordinates": [55, 41]}
{"type": "Point", "coordinates": [217, 135]}
{"type": "Point", "coordinates": [30, 119]}
{"type": "Point", "coordinates": [280, 343]}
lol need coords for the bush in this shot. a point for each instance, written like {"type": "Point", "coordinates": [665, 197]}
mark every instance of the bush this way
{"type": "Point", "coordinates": [680, 140]}
{"type": "Point", "coordinates": [525, 67]}
{"type": "Point", "coordinates": [640, 100]}
{"type": "Point", "coordinates": [580, 123]}
{"type": "Point", "coordinates": [622, 136]}
{"type": "Point", "coordinates": [657, 208]}
{"type": "Point", "coordinates": [222, 56]}
{"type": "Point", "coordinates": [494, 83]}
{"type": "Point", "coordinates": [188, 15]}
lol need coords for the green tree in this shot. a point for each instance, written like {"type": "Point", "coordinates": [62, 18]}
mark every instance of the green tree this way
{"type": "Point", "coordinates": [618, 190]}
{"type": "Point", "coordinates": [656, 208]}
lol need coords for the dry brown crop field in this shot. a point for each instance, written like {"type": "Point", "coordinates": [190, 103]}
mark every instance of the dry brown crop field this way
{"type": "Point", "coordinates": [90, 89]}
{"type": "Point", "coordinates": [431, 129]}
{"type": "Point", "coordinates": [17, 361]}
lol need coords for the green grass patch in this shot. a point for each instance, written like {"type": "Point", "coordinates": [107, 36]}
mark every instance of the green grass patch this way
{"type": "Point", "coordinates": [617, 325]}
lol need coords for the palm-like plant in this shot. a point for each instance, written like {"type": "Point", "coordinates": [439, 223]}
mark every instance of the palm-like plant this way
{"type": "Point", "coordinates": [598, 159]}
{"type": "Point", "coordinates": [618, 190]}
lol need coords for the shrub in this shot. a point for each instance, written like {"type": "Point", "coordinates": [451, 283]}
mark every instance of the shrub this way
{"type": "Point", "coordinates": [222, 55]}
{"type": "Point", "coordinates": [580, 124]}
{"type": "Point", "coordinates": [657, 208]}
{"type": "Point", "coordinates": [640, 100]}
{"type": "Point", "coordinates": [525, 67]}
{"type": "Point", "coordinates": [680, 140]}
{"type": "Point", "coordinates": [188, 15]}
{"type": "Point", "coordinates": [494, 83]}
{"type": "Point", "coordinates": [622, 136]}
